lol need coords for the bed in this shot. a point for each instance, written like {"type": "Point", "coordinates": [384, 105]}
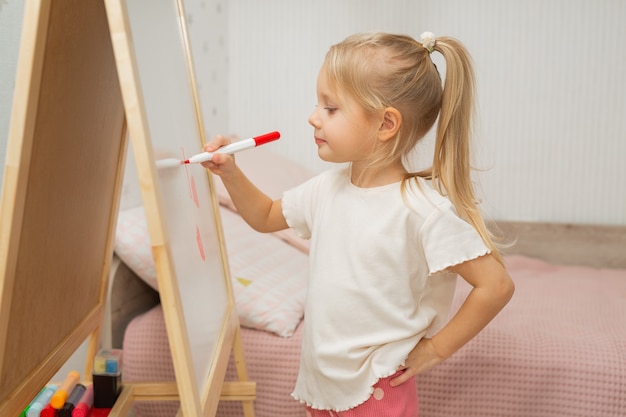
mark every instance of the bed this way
{"type": "Point", "coordinates": [557, 349]}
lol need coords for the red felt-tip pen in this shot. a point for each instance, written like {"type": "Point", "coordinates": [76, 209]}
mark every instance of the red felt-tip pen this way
{"type": "Point", "coordinates": [235, 147]}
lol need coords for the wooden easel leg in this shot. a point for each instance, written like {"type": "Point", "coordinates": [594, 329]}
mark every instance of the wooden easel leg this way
{"type": "Point", "coordinates": [92, 350]}
{"type": "Point", "coordinates": [124, 402]}
{"type": "Point", "coordinates": [242, 371]}
{"type": "Point", "coordinates": [248, 408]}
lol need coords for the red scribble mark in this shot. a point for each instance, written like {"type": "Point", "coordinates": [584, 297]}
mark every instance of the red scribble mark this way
{"type": "Point", "coordinates": [200, 244]}
{"type": "Point", "coordinates": [182, 151]}
{"type": "Point", "coordinates": [194, 192]}
{"type": "Point", "coordinates": [191, 182]}
{"type": "Point", "coordinates": [193, 195]}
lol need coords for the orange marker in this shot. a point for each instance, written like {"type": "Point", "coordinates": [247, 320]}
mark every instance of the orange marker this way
{"type": "Point", "coordinates": [60, 396]}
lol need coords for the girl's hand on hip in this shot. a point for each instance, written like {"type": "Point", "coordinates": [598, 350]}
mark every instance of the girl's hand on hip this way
{"type": "Point", "coordinates": [422, 358]}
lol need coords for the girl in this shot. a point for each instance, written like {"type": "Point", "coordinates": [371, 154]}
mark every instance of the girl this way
{"type": "Point", "coordinates": [386, 244]}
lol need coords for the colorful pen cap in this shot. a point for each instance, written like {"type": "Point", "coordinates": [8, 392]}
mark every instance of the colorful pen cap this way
{"type": "Point", "coordinates": [48, 411]}
{"type": "Point", "coordinates": [60, 396]}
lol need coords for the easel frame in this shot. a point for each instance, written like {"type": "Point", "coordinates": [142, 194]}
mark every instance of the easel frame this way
{"type": "Point", "coordinates": [37, 145]}
{"type": "Point", "coordinates": [63, 173]}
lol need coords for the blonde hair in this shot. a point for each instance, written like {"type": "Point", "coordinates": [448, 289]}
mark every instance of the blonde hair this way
{"type": "Point", "coordinates": [381, 70]}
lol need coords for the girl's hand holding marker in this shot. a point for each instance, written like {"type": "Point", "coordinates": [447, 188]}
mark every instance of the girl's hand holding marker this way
{"type": "Point", "coordinates": [233, 147]}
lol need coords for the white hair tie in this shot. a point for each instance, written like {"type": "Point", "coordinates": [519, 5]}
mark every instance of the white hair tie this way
{"type": "Point", "coordinates": [428, 41]}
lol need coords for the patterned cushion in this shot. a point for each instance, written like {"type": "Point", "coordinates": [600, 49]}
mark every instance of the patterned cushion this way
{"type": "Point", "coordinates": [268, 274]}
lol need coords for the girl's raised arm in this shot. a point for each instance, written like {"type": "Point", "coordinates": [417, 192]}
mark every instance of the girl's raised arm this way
{"type": "Point", "coordinates": [258, 210]}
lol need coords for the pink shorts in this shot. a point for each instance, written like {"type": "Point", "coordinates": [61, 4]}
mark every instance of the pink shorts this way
{"type": "Point", "coordinates": [400, 401]}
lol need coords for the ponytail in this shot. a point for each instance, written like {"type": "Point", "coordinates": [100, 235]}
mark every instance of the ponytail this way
{"type": "Point", "coordinates": [451, 169]}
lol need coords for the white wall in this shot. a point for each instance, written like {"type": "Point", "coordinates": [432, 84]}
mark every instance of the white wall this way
{"type": "Point", "coordinates": [551, 82]}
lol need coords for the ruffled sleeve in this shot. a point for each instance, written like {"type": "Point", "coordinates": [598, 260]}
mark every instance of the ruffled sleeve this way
{"type": "Point", "coordinates": [298, 206]}
{"type": "Point", "coordinates": [449, 240]}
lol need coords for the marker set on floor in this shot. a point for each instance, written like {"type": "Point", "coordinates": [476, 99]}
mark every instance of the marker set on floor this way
{"type": "Point", "coordinates": [70, 399]}
{"type": "Point", "coordinates": [75, 399]}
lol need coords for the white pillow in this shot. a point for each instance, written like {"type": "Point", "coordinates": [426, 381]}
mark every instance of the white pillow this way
{"type": "Point", "coordinates": [269, 276]}
{"type": "Point", "coordinates": [132, 244]}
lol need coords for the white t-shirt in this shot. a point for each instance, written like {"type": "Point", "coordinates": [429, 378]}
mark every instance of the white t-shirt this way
{"type": "Point", "coordinates": [377, 281]}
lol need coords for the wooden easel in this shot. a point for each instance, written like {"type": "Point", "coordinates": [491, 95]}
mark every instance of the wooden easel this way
{"type": "Point", "coordinates": [61, 191]}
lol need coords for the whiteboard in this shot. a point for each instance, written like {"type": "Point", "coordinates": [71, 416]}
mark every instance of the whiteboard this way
{"type": "Point", "coordinates": [176, 133]}
{"type": "Point", "coordinates": [163, 114]}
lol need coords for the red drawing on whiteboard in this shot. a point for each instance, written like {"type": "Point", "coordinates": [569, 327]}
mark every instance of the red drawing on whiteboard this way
{"type": "Point", "coordinates": [194, 191]}
{"type": "Point", "coordinates": [191, 183]}
{"type": "Point", "coordinates": [200, 244]}
{"type": "Point", "coordinates": [193, 195]}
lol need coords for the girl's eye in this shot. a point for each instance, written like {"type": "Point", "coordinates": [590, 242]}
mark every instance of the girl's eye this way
{"type": "Point", "coordinates": [330, 110]}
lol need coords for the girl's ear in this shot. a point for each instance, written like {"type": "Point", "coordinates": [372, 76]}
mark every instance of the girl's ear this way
{"type": "Point", "coordinates": [392, 119]}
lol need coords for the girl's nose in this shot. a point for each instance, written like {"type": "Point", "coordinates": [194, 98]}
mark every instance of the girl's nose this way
{"type": "Point", "coordinates": [314, 119]}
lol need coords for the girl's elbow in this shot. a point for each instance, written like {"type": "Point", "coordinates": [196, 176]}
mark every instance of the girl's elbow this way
{"type": "Point", "coordinates": [506, 288]}
{"type": "Point", "coordinates": [263, 229]}
{"type": "Point", "coordinates": [268, 225]}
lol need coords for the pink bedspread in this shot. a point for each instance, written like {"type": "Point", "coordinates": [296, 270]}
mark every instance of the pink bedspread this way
{"type": "Point", "coordinates": [557, 349]}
